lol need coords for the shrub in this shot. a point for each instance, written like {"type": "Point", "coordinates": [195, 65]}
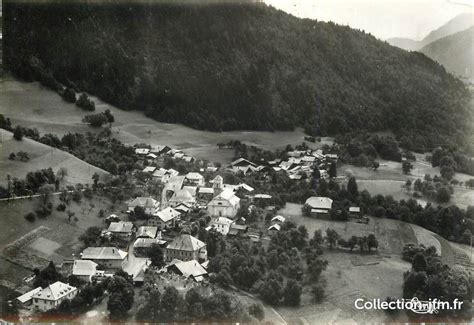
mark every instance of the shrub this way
{"type": "Point", "coordinates": [30, 217]}
{"type": "Point", "coordinates": [61, 207]}
{"type": "Point", "coordinates": [69, 95]}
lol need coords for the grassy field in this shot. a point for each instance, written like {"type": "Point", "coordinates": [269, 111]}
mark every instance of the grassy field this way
{"type": "Point", "coordinates": [31, 105]}
{"type": "Point", "coordinates": [41, 156]}
{"type": "Point", "coordinates": [352, 275]}
{"type": "Point", "coordinates": [25, 245]}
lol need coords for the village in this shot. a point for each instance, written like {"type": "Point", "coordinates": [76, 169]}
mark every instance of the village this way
{"type": "Point", "coordinates": [166, 222]}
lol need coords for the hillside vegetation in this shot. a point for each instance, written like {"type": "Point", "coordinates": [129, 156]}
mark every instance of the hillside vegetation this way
{"type": "Point", "coordinates": [228, 67]}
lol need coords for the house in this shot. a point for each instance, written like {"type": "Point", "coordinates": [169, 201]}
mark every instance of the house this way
{"type": "Point", "coordinates": [186, 247]}
{"type": "Point", "coordinates": [149, 204]}
{"type": "Point", "coordinates": [319, 206]}
{"type": "Point", "coordinates": [109, 257]}
{"type": "Point", "coordinates": [217, 183]}
{"type": "Point", "coordinates": [27, 298]}
{"type": "Point", "coordinates": [147, 232]}
{"type": "Point", "coordinates": [142, 151]}
{"type": "Point", "coordinates": [151, 156]}
{"type": "Point", "coordinates": [183, 208]}
{"type": "Point", "coordinates": [278, 219]}
{"type": "Point", "coordinates": [222, 225]}
{"type": "Point", "coordinates": [354, 211]}
{"type": "Point", "coordinates": [165, 218]}
{"type": "Point", "coordinates": [51, 296]}
{"type": "Point", "coordinates": [173, 184]}
{"type": "Point", "coordinates": [149, 169]}
{"type": "Point", "coordinates": [84, 270]}
{"type": "Point", "coordinates": [237, 230]}
{"type": "Point", "coordinates": [242, 165]}
{"type": "Point", "coordinates": [141, 244]}
{"type": "Point", "coordinates": [205, 194]}
{"type": "Point", "coordinates": [273, 229]}
{"type": "Point", "coordinates": [224, 204]}
{"type": "Point", "coordinates": [182, 196]}
{"type": "Point", "coordinates": [161, 149]}
{"type": "Point", "coordinates": [188, 269]}
{"type": "Point", "coordinates": [195, 179]}
{"type": "Point", "coordinates": [121, 230]}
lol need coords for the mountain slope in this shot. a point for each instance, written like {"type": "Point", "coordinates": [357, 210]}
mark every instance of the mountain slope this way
{"type": "Point", "coordinates": [455, 52]}
{"type": "Point", "coordinates": [232, 66]}
{"type": "Point", "coordinates": [455, 25]}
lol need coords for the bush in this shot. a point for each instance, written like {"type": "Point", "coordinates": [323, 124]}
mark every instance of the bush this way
{"type": "Point", "coordinates": [18, 133]}
{"type": "Point", "coordinates": [69, 95]}
{"type": "Point", "coordinates": [61, 207]}
{"type": "Point", "coordinates": [85, 103]}
{"type": "Point", "coordinates": [318, 292]}
{"type": "Point", "coordinates": [77, 196]}
{"type": "Point", "coordinates": [95, 120]}
{"type": "Point", "coordinates": [31, 217]}
{"type": "Point", "coordinates": [12, 156]}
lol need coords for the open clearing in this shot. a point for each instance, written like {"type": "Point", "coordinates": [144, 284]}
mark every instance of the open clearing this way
{"type": "Point", "coordinates": [32, 105]}
{"type": "Point", "coordinates": [352, 275]}
{"type": "Point", "coordinates": [25, 245]}
{"type": "Point", "coordinates": [41, 157]}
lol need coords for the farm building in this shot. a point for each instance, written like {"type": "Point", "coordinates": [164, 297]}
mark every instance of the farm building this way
{"type": "Point", "coordinates": [186, 247]}
{"type": "Point", "coordinates": [188, 269]}
{"type": "Point", "coordinates": [51, 296]}
{"type": "Point", "coordinates": [319, 206]}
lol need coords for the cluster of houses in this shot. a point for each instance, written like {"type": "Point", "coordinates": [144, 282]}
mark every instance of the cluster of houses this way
{"type": "Point", "coordinates": [299, 163]}
{"type": "Point", "coordinates": [184, 254]}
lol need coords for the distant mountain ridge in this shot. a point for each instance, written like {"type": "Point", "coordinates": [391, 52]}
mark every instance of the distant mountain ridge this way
{"type": "Point", "coordinates": [236, 66]}
{"type": "Point", "coordinates": [455, 52]}
{"type": "Point", "coordinates": [457, 24]}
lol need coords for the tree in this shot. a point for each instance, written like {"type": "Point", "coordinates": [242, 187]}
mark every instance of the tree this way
{"type": "Point", "coordinates": [256, 310]}
{"type": "Point", "coordinates": [95, 120]}
{"type": "Point", "coordinates": [30, 217]}
{"type": "Point", "coordinates": [331, 236]}
{"type": "Point", "coordinates": [90, 236]}
{"type": "Point", "coordinates": [352, 187]}
{"type": "Point", "coordinates": [292, 293]}
{"type": "Point", "coordinates": [62, 173]}
{"type": "Point", "coordinates": [419, 262]}
{"type": "Point", "coordinates": [85, 103]}
{"type": "Point", "coordinates": [109, 116]}
{"type": "Point", "coordinates": [352, 242]}
{"type": "Point", "coordinates": [46, 191]}
{"type": "Point", "coordinates": [12, 156]}
{"type": "Point", "coordinates": [443, 194]}
{"type": "Point", "coordinates": [121, 297]}
{"type": "Point", "coordinates": [23, 156]}
{"type": "Point", "coordinates": [18, 133]}
{"type": "Point", "coordinates": [375, 165]}
{"type": "Point", "coordinates": [155, 253]}
{"type": "Point", "coordinates": [372, 242]}
{"type": "Point", "coordinates": [332, 170]}
{"type": "Point", "coordinates": [318, 292]}
{"type": "Point", "coordinates": [271, 290]}
{"type": "Point", "coordinates": [69, 95]}
{"type": "Point", "coordinates": [408, 184]}
{"type": "Point", "coordinates": [407, 167]}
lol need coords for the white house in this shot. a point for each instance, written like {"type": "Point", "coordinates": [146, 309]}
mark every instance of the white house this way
{"type": "Point", "coordinates": [84, 270]}
{"type": "Point", "coordinates": [109, 257]}
{"type": "Point", "coordinates": [51, 296]}
{"type": "Point", "coordinates": [165, 218]}
{"type": "Point", "coordinates": [222, 225]}
{"type": "Point", "coordinates": [183, 195]}
{"type": "Point", "coordinates": [149, 204]}
{"type": "Point", "coordinates": [142, 151]}
{"type": "Point", "coordinates": [224, 204]}
{"type": "Point", "coordinates": [195, 179]}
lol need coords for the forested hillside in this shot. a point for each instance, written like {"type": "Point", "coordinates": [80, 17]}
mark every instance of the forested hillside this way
{"type": "Point", "coordinates": [229, 66]}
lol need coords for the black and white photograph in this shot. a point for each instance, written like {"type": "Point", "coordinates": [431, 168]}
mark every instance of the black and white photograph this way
{"type": "Point", "coordinates": [236, 161]}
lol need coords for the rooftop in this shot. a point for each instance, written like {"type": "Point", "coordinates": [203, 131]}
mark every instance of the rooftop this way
{"type": "Point", "coordinates": [55, 291]}
{"type": "Point", "coordinates": [186, 242]}
{"type": "Point", "coordinates": [103, 253]}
